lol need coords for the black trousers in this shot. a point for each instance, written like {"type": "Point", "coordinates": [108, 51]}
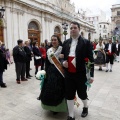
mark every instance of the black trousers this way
{"type": "Point", "coordinates": [36, 70]}
{"type": "Point", "coordinates": [109, 58]}
{"type": "Point", "coordinates": [27, 68]}
{"type": "Point", "coordinates": [75, 83]}
{"type": "Point", "coordinates": [20, 70]}
{"type": "Point", "coordinates": [1, 78]}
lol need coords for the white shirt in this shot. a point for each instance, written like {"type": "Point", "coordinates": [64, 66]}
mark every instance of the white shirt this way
{"type": "Point", "coordinates": [109, 47]}
{"type": "Point", "coordinates": [117, 45]}
{"type": "Point", "coordinates": [98, 47]}
{"type": "Point", "coordinates": [73, 47]}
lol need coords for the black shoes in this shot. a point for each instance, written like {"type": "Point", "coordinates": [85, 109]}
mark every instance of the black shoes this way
{"type": "Point", "coordinates": [70, 118]}
{"type": "Point", "coordinates": [100, 69]}
{"type": "Point", "coordinates": [30, 76]}
{"type": "Point", "coordinates": [3, 85]}
{"type": "Point", "coordinates": [110, 70]}
{"type": "Point", "coordinates": [55, 113]}
{"type": "Point", "coordinates": [106, 71]}
{"type": "Point", "coordinates": [84, 112]}
{"type": "Point", "coordinates": [39, 98]}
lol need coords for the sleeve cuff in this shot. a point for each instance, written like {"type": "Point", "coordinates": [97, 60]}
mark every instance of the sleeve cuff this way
{"type": "Point", "coordinates": [92, 78]}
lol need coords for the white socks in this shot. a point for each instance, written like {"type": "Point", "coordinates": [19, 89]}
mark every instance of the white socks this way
{"type": "Point", "coordinates": [85, 103]}
{"type": "Point", "coordinates": [110, 66]}
{"type": "Point", "coordinates": [117, 58]}
{"type": "Point", "coordinates": [70, 104]}
{"type": "Point", "coordinates": [106, 66]}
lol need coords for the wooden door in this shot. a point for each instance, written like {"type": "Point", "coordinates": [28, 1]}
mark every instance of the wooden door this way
{"type": "Point", "coordinates": [34, 35]}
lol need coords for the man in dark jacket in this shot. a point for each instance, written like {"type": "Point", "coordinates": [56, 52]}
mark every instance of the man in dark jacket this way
{"type": "Point", "coordinates": [28, 59]}
{"type": "Point", "coordinates": [110, 50]}
{"type": "Point", "coordinates": [19, 56]}
{"type": "Point", "coordinates": [3, 66]}
{"type": "Point", "coordinates": [75, 51]}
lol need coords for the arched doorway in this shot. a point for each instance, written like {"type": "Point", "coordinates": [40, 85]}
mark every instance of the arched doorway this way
{"type": "Point", "coordinates": [1, 31]}
{"type": "Point", "coordinates": [57, 32]}
{"type": "Point", "coordinates": [34, 32]}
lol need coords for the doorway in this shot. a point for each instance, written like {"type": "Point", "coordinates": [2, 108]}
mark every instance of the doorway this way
{"type": "Point", "coordinates": [33, 32]}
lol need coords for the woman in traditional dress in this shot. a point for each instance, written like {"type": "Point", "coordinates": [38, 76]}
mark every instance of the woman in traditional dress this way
{"type": "Point", "coordinates": [100, 59]}
{"type": "Point", "coordinates": [53, 93]}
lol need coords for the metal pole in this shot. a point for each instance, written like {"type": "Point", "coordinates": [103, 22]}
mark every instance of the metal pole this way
{"type": "Point", "coordinates": [65, 37]}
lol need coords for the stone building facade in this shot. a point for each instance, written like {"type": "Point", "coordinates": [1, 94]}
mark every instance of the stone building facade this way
{"type": "Point", "coordinates": [37, 20]}
{"type": "Point", "coordinates": [96, 20]}
{"type": "Point", "coordinates": [115, 18]}
{"type": "Point", "coordinates": [104, 30]}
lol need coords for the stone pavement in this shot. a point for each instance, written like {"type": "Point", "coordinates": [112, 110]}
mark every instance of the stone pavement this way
{"type": "Point", "coordinates": [18, 102]}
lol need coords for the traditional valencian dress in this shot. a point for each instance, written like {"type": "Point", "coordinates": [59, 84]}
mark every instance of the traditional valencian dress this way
{"type": "Point", "coordinates": [53, 92]}
{"type": "Point", "coordinates": [100, 59]}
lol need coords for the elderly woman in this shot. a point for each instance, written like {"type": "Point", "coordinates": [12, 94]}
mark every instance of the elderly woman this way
{"type": "Point", "coordinates": [100, 55]}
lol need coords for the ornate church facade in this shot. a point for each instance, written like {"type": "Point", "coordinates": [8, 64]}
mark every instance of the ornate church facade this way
{"type": "Point", "coordinates": [38, 20]}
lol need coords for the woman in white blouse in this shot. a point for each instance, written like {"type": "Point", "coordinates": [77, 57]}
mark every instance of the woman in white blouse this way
{"type": "Point", "coordinates": [100, 55]}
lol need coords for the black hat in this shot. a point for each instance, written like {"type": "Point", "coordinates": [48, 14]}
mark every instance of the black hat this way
{"type": "Point", "coordinates": [19, 41]}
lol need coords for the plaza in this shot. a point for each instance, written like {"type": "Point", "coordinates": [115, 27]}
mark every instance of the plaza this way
{"type": "Point", "coordinates": [18, 101]}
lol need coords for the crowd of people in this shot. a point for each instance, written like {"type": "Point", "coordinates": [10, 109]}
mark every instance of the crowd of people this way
{"type": "Point", "coordinates": [22, 55]}
{"type": "Point", "coordinates": [106, 53]}
{"type": "Point", "coordinates": [59, 90]}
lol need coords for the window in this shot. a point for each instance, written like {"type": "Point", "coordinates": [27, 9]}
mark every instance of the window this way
{"type": "Point", "coordinates": [104, 31]}
{"type": "Point", "coordinates": [104, 26]}
{"type": "Point", "coordinates": [57, 29]}
{"type": "Point", "coordinates": [33, 25]}
{"type": "Point", "coordinates": [100, 26]}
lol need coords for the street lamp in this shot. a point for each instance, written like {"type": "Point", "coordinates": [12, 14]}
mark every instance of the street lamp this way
{"type": "Point", "coordinates": [89, 35]}
{"type": "Point", "coordinates": [65, 27]}
{"type": "Point", "coordinates": [2, 10]}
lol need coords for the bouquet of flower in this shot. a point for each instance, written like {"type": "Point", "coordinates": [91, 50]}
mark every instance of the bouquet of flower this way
{"type": "Point", "coordinates": [88, 67]}
{"type": "Point", "coordinates": [41, 76]}
{"type": "Point", "coordinates": [76, 102]}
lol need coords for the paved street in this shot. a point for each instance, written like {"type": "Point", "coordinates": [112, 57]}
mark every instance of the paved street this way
{"type": "Point", "coordinates": [18, 102]}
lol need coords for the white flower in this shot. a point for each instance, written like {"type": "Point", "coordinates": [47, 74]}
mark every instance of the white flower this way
{"type": "Point", "coordinates": [39, 73]}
